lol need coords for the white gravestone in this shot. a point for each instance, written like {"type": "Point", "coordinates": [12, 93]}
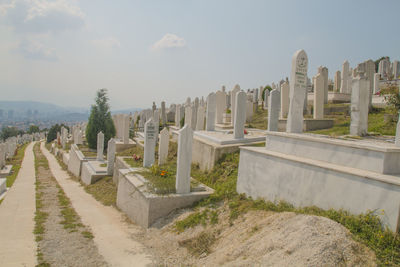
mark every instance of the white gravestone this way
{"type": "Point", "coordinates": [284, 100]}
{"type": "Point", "coordinates": [156, 120]}
{"type": "Point", "coordinates": [377, 77]}
{"type": "Point", "coordinates": [163, 114]}
{"type": "Point", "coordinates": [221, 106]}
{"type": "Point", "coordinates": [200, 119]}
{"type": "Point", "coordinates": [163, 146]}
{"type": "Point", "coordinates": [337, 81]}
{"type": "Point", "coordinates": [184, 161]}
{"type": "Point", "coordinates": [126, 122]}
{"type": "Point", "coordinates": [240, 115]}
{"type": "Point", "coordinates": [100, 146]}
{"type": "Point", "coordinates": [195, 107]}
{"type": "Point", "coordinates": [345, 78]}
{"type": "Point", "coordinates": [298, 84]}
{"type": "Point", "coordinates": [319, 97]}
{"type": "Point", "coordinates": [188, 115]}
{"type": "Point", "coordinates": [234, 92]}
{"type": "Point", "coordinates": [110, 156]}
{"type": "Point", "coordinates": [178, 116]}
{"type": "Point", "coordinates": [150, 136]}
{"type": "Point", "coordinates": [266, 95]}
{"type": "Point", "coordinates": [324, 72]}
{"type": "Point", "coordinates": [211, 106]}
{"type": "Point", "coordinates": [359, 104]}
{"type": "Point", "coordinates": [273, 110]}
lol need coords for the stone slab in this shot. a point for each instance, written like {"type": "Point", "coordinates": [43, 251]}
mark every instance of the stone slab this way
{"type": "Point", "coordinates": [6, 171]}
{"type": "Point", "coordinates": [309, 124]}
{"type": "Point", "coordinates": [223, 126]}
{"type": "Point", "coordinates": [226, 138]}
{"type": "Point", "coordinates": [143, 207]}
{"type": "Point", "coordinates": [377, 156]}
{"type": "Point", "coordinates": [206, 153]}
{"type": "Point", "coordinates": [120, 146]}
{"type": "Point", "coordinates": [305, 182]}
{"type": "Point", "coordinates": [92, 171]}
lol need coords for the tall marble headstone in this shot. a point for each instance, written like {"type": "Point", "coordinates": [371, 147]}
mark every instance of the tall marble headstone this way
{"type": "Point", "coordinates": [210, 116]}
{"type": "Point", "coordinates": [298, 84]}
{"type": "Point", "coordinates": [156, 120]}
{"type": "Point", "coordinates": [240, 115]}
{"type": "Point", "coordinates": [377, 78]}
{"type": "Point", "coordinates": [284, 100]}
{"type": "Point", "coordinates": [126, 125]}
{"type": "Point", "coordinates": [178, 116]}
{"type": "Point", "coordinates": [163, 146]}
{"type": "Point", "coordinates": [111, 147]}
{"type": "Point", "coordinates": [319, 97]}
{"type": "Point", "coordinates": [221, 106]}
{"type": "Point", "coordinates": [184, 161]}
{"type": "Point", "coordinates": [234, 92]}
{"type": "Point", "coordinates": [273, 110]}
{"type": "Point", "coordinates": [359, 103]}
{"type": "Point", "coordinates": [200, 119]}
{"type": "Point", "coordinates": [163, 114]}
{"type": "Point", "coordinates": [100, 146]}
{"type": "Point", "coordinates": [150, 136]}
{"type": "Point", "coordinates": [345, 78]}
{"type": "Point", "coordinates": [266, 95]}
{"type": "Point", "coordinates": [337, 81]}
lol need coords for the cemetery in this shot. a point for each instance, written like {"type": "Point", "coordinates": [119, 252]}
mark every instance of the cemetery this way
{"type": "Point", "coordinates": [199, 133]}
{"type": "Point", "coordinates": [302, 145]}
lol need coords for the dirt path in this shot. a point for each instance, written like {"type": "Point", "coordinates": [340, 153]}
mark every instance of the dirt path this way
{"type": "Point", "coordinates": [62, 239]}
{"type": "Point", "coordinates": [17, 242]}
{"type": "Point", "coordinates": [112, 235]}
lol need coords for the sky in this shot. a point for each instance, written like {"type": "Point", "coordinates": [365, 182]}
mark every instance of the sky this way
{"type": "Point", "coordinates": [62, 51]}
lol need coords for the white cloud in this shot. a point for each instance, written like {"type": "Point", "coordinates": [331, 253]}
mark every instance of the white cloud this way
{"type": "Point", "coordinates": [169, 40]}
{"type": "Point", "coordinates": [107, 43]}
{"type": "Point", "coordinates": [36, 51]}
{"type": "Point", "coordinates": [41, 16]}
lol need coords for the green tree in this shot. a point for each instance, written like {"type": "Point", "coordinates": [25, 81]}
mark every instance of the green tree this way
{"type": "Point", "coordinates": [7, 132]}
{"type": "Point", "coordinates": [100, 120]}
{"type": "Point", "coordinates": [52, 133]}
{"type": "Point", "coordinates": [33, 129]}
{"type": "Point", "coordinates": [269, 88]}
{"type": "Point", "coordinates": [377, 63]}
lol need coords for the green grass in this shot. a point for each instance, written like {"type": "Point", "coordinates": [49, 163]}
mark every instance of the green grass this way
{"type": "Point", "coordinates": [259, 120]}
{"type": "Point", "coordinates": [87, 234]}
{"type": "Point", "coordinates": [16, 161]}
{"type": "Point", "coordinates": [70, 217]}
{"type": "Point", "coordinates": [376, 124]}
{"type": "Point", "coordinates": [104, 190]}
{"type": "Point", "coordinates": [40, 216]}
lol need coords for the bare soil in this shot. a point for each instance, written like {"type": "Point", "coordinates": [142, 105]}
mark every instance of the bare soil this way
{"type": "Point", "coordinates": [258, 238]}
{"type": "Point", "coordinates": [60, 246]}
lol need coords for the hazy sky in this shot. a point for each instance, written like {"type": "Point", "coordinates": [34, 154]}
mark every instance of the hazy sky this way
{"type": "Point", "coordinates": [142, 51]}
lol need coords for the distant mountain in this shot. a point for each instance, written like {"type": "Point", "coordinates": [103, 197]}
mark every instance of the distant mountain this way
{"type": "Point", "coordinates": [22, 110]}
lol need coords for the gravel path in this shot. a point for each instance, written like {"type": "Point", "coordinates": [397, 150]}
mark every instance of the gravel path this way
{"type": "Point", "coordinates": [17, 242]}
{"type": "Point", "coordinates": [65, 241]}
{"type": "Point", "coordinates": [112, 234]}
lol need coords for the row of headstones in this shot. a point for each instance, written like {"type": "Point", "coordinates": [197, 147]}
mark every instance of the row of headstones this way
{"type": "Point", "coordinates": [184, 160]}
{"type": "Point", "coordinates": [9, 147]}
